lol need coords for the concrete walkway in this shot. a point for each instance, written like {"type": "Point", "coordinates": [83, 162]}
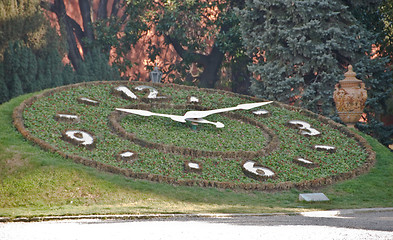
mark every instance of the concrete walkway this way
{"type": "Point", "coordinates": [339, 224]}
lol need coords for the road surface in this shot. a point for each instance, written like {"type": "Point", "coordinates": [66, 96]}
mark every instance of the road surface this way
{"type": "Point", "coordinates": [345, 224]}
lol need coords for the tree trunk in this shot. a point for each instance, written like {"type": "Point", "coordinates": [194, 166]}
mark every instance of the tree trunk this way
{"type": "Point", "coordinates": [102, 12]}
{"type": "Point", "coordinates": [84, 6]}
{"type": "Point", "coordinates": [211, 63]}
{"type": "Point", "coordinates": [211, 66]}
{"type": "Point", "coordinates": [72, 30]}
{"type": "Point", "coordinates": [67, 27]}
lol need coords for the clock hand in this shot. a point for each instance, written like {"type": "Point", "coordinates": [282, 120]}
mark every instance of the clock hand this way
{"type": "Point", "coordinates": [195, 116]}
{"type": "Point", "coordinates": [173, 117]}
{"type": "Point", "coordinates": [202, 114]}
{"type": "Point", "coordinates": [148, 113]}
{"type": "Point", "coordinates": [201, 120]}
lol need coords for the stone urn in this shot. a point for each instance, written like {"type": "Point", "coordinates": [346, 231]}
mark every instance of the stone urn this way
{"type": "Point", "coordinates": [350, 97]}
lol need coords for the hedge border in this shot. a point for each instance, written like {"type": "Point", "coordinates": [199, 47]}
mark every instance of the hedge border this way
{"type": "Point", "coordinates": [308, 184]}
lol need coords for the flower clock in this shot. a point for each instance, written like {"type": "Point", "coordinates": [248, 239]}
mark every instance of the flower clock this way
{"type": "Point", "coordinates": [189, 136]}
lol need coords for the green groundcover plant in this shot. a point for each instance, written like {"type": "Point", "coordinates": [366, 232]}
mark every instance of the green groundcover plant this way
{"type": "Point", "coordinates": [242, 133]}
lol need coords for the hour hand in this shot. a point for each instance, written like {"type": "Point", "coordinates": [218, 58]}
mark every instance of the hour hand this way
{"type": "Point", "coordinates": [148, 114]}
{"type": "Point", "coordinates": [201, 120]}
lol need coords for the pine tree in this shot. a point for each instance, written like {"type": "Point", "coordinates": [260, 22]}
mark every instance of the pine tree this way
{"type": "Point", "coordinates": [68, 75]}
{"type": "Point", "coordinates": [16, 86]}
{"type": "Point", "coordinates": [42, 81]}
{"type": "Point", "coordinates": [20, 60]}
{"type": "Point", "coordinates": [4, 94]}
{"type": "Point", "coordinates": [82, 74]}
{"type": "Point", "coordinates": [11, 63]}
{"type": "Point", "coordinates": [55, 67]}
{"type": "Point", "coordinates": [95, 67]}
{"type": "Point", "coordinates": [27, 70]}
{"type": "Point", "coordinates": [302, 49]}
{"type": "Point", "coordinates": [29, 47]}
{"type": "Point", "coordinates": [22, 20]}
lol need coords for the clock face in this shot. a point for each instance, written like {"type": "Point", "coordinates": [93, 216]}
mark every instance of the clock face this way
{"type": "Point", "coordinates": [270, 147]}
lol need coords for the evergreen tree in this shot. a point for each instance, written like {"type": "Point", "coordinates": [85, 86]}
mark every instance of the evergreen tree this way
{"type": "Point", "coordinates": [301, 49]}
{"type": "Point", "coordinates": [11, 63]}
{"type": "Point", "coordinates": [55, 67]}
{"type": "Point", "coordinates": [379, 83]}
{"type": "Point", "coordinates": [95, 67]}
{"type": "Point", "coordinates": [99, 67]}
{"type": "Point", "coordinates": [29, 47]}
{"type": "Point", "coordinates": [4, 94]}
{"type": "Point", "coordinates": [16, 86]}
{"type": "Point", "coordinates": [82, 73]}
{"type": "Point", "coordinates": [20, 60]}
{"type": "Point", "coordinates": [22, 20]}
{"type": "Point", "coordinates": [41, 79]}
{"type": "Point", "coordinates": [27, 70]}
{"type": "Point", "coordinates": [68, 75]}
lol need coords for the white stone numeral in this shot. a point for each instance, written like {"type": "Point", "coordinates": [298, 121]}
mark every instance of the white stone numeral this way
{"type": "Point", "coordinates": [88, 101]}
{"type": "Point", "coordinates": [153, 93]}
{"type": "Point", "coordinates": [65, 117]}
{"type": "Point", "coordinates": [257, 171]}
{"type": "Point", "coordinates": [325, 148]}
{"type": "Point", "coordinates": [193, 99]}
{"type": "Point", "coordinates": [193, 165]}
{"type": "Point", "coordinates": [83, 137]}
{"type": "Point", "coordinates": [126, 91]}
{"type": "Point", "coordinates": [128, 94]}
{"type": "Point", "coordinates": [127, 156]}
{"type": "Point", "coordinates": [305, 162]}
{"type": "Point", "coordinates": [305, 128]}
{"type": "Point", "coordinates": [261, 112]}
{"type": "Point", "coordinates": [79, 137]}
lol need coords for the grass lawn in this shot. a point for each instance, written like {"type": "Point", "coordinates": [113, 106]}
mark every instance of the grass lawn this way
{"type": "Point", "coordinates": [34, 182]}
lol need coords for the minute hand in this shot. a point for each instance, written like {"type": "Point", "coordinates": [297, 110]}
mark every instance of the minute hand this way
{"type": "Point", "coordinates": [202, 114]}
{"type": "Point", "coordinates": [148, 113]}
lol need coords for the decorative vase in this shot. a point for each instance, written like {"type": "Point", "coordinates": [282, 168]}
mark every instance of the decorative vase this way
{"type": "Point", "coordinates": [350, 97]}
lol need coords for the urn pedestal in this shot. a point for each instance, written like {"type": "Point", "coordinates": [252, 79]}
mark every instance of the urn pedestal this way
{"type": "Point", "coordinates": [350, 97]}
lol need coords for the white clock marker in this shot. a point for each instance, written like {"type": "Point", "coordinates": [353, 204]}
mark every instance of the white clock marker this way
{"type": "Point", "coordinates": [79, 137]}
{"type": "Point", "coordinates": [126, 92]}
{"type": "Point", "coordinates": [257, 171]}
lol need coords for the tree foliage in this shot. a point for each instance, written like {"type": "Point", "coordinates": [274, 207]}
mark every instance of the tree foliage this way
{"type": "Point", "coordinates": [4, 92]}
{"type": "Point", "coordinates": [85, 34]}
{"type": "Point", "coordinates": [302, 48]}
{"type": "Point", "coordinates": [204, 33]}
{"type": "Point", "coordinates": [22, 20]}
{"type": "Point", "coordinates": [386, 28]}
{"type": "Point", "coordinates": [31, 55]}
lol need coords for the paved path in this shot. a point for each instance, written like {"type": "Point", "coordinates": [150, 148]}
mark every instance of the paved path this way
{"type": "Point", "coordinates": [345, 224]}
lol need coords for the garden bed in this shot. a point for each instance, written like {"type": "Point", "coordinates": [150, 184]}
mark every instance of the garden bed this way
{"type": "Point", "coordinates": [164, 150]}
